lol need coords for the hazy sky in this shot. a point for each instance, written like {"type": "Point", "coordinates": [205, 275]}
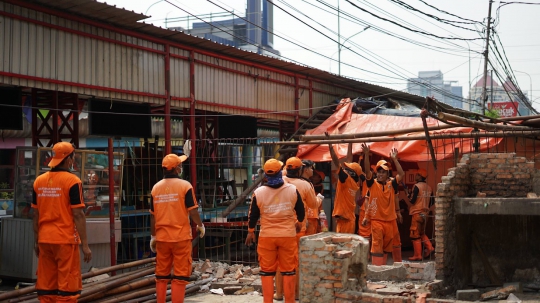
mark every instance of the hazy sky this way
{"type": "Point", "coordinates": [374, 55]}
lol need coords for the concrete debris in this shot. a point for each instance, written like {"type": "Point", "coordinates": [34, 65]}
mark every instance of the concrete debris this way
{"type": "Point", "coordinates": [532, 195]}
{"type": "Point", "coordinates": [409, 285]}
{"type": "Point", "coordinates": [231, 279]}
{"type": "Point", "coordinates": [513, 299]}
{"type": "Point", "coordinates": [499, 294]}
{"type": "Point", "coordinates": [468, 295]}
{"type": "Point", "coordinates": [396, 272]}
{"type": "Point", "coordinates": [518, 286]}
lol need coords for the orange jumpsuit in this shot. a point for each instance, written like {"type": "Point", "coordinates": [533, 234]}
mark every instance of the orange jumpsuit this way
{"type": "Point", "coordinates": [345, 203]}
{"type": "Point", "coordinates": [172, 199]}
{"type": "Point", "coordinates": [278, 208]}
{"type": "Point", "coordinates": [420, 209]}
{"type": "Point", "coordinates": [364, 231]}
{"type": "Point", "coordinates": [56, 193]}
{"type": "Point", "coordinates": [311, 204]}
{"type": "Point", "coordinates": [382, 213]}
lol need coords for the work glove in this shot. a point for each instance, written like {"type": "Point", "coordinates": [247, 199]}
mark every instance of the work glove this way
{"type": "Point", "coordinates": [187, 148]}
{"type": "Point", "coordinates": [153, 244]}
{"type": "Point", "coordinates": [201, 230]}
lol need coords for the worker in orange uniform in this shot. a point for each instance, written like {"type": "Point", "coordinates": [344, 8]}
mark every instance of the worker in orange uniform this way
{"type": "Point", "coordinates": [348, 184]}
{"type": "Point", "coordinates": [296, 172]}
{"type": "Point", "coordinates": [421, 199]}
{"type": "Point", "coordinates": [383, 210]}
{"type": "Point", "coordinates": [173, 202]}
{"type": "Point", "coordinates": [59, 228]}
{"type": "Point", "coordinates": [280, 207]}
{"type": "Point", "coordinates": [364, 230]}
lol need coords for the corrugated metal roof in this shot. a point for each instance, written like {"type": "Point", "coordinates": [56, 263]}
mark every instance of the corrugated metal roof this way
{"type": "Point", "coordinates": [103, 12]}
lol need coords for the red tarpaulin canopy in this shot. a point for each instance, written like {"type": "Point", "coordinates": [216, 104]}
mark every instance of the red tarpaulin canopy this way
{"type": "Point", "coordinates": [343, 121]}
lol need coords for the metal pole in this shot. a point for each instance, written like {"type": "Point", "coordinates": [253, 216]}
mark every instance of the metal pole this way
{"type": "Point", "coordinates": [339, 39]}
{"type": "Point", "coordinates": [486, 57]}
{"type": "Point", "coordinates": [111, 204]}
{"type": "Point", "coordinates": [491, 75]}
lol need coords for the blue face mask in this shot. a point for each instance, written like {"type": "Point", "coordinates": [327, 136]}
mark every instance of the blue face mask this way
{"type": "Point", "coordinates": [275, 180]}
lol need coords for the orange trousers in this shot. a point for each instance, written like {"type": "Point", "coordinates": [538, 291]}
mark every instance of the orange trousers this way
{"type": "Point", "coordinates": [417, 226]}
{"type": "Point", "coordinates": [363, 231]}
{"type": "Point", "coordinates": [396, 240]}
{"type": "Point", "coordinates": [277, 253]}
{"type": "Point", "coordinates": [169, 255]}
{"type": "Point", "coordinates": [345, 226]}
{"type": "Point", "coordinates": [382, 235]}
{"type": "Point", "coordinates": [59, 273]}
{"type": "Point", "coordinates": [313, 226]}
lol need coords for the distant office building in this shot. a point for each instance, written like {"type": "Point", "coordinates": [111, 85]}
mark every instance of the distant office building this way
{"type": "Point", "coordinates": [504, 98]}
{"type": "Point", "coordinates": [253, 32]}
{"type": "Point", "coordinates": [432, 84]}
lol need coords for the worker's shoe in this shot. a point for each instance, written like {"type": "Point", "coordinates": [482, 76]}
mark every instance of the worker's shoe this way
{"type": "Point", "coordinates": [267, 288]}
{"type": "Point", "coordinates": [161, 290]}
{"type": "Point", "coordinates": [289, 285]}
{"type": "Point", "coordinates": [396, 254]}
{"type": "Point", "coordinates": [417, 245]}
{"type": "Point", "coordinates": [178, 291]}
{"type": "Point", "coordinates": [278, 296]}
{"type": "Point", "coordinates": [377, 260]}
{"type": "Point", "coordinates": [427, 244]}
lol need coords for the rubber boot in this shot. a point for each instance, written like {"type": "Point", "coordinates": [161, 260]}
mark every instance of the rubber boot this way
{"type": "Point", "coordinates": [385, 258]}
{"type": "Point", "coordinates": [289, 284]}
{"type": "Point", "coordinates": [178, 291]}
{"type": "Point", "coordinates": [278, 296]}
{"type": "Point", "coordinates": [369, 251]}
{"type": "Point", "coordinates": [396, 254]}
{"type": "Point", "coordinates": [47, 299]}
{"type": "Point", "coordinates": [417, 245]}
{"type": "Point", "coordinates": [376, 260]}
{"type": "Point", "coordinates": [297, 285]}
{"type": "Point", "coordinates": [161, 290]}
{"type": "Point", "coordinates": [267, 288]}
{"type": "Point", "coordinates": [427, 245]}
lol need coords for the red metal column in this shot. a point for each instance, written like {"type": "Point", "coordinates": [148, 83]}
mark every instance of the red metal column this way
{"type": "Point", "coordinates": [192, 131]}
{"type": "Point", "coordinates": [310, 98]}
{"type": "Point", "coordinates": [167, 117]}
{"type": "Point", "coordinates": [296, 104]}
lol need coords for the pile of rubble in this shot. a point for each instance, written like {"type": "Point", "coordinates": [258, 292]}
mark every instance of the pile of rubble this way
{"type": "Point", "coordinates": [227, 279]}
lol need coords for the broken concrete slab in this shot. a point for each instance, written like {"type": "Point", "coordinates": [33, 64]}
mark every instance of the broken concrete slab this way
{"type": "Point", "coordinates": [220, 273]}
{"type": "Point", "coordinates": [468, 294]}
{"type": "Point", "coordinates": [398, 272]}
{"type": "Point", "coordinates": [216, 285]}
{"type": "Point", "coordinates": [500, 293]}
{"type": "Point", "coordinates": [229, 290]}
{"type": "Point", "coordinates": [372, 287]}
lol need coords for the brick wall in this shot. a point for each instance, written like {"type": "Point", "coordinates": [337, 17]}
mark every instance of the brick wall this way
{"type": "Point", "coordinates": [500, 175]}
{"type": "Point", "coordinates": [496, 175]}
{"type": "Point", "coordinates": [331, 264]}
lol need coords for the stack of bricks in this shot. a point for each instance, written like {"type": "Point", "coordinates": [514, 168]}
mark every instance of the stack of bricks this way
{"type": "Point", "coordinates": [500, 175]}
{"type": "Point", "coordinates": [424, 271]}
{"type": "Point", "coordinates": [331, 264]}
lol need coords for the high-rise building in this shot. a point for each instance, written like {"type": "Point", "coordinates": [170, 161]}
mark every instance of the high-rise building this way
{"type": "Point", "coordinates": [504, 98]}
{"type": "Point", "coordinates": [432, 84]}
{"type": "Point", "coordinates": [253, 32]}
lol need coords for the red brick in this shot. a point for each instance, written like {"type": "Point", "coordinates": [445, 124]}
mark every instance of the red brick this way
{"type": "Point", "coordinates": [336, 271]}
{"type": "Point", "coordinates": [325, 285]}
{"type": "Point", "coordinates": [338, 285]}
{"type": "Point", "coordinates": [332, 278]}
{"type": "Point", "coordinates": [342, 254]}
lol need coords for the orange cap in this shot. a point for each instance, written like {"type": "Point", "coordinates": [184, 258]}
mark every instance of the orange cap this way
{"type": "Point", "coordinates": [293, 163]}
{"type": "Point", "coordinates": [60, 151]}
{"type": "Point", "coordinates": [354, 166]}
{"type": "Point", "coordinates": [272, 166]}
{"type": "Point", "coordinates": [422, 172]}
{"type": "Point", "coordinates": [382, 164]}
{"type": "Point", "coordinates": [171, 161]}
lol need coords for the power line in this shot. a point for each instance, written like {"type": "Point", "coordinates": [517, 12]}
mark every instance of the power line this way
{"type": "Point", "coordinates": [469, 21]}
{"type": "Point", "coordinates": [407, 28]}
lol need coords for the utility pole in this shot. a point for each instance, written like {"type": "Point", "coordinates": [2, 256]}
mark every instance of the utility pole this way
{"type": "Point", "coordinates": [486, 57]}
{"type": "Point", "coordinates": [339, 38]}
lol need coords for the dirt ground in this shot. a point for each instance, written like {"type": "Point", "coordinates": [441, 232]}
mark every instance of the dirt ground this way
{"type": "Point", "coordinates": [212, 298]}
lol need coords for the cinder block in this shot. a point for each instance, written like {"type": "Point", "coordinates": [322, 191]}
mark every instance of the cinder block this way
{"type": "Point", "coordinates": [468, 294]}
